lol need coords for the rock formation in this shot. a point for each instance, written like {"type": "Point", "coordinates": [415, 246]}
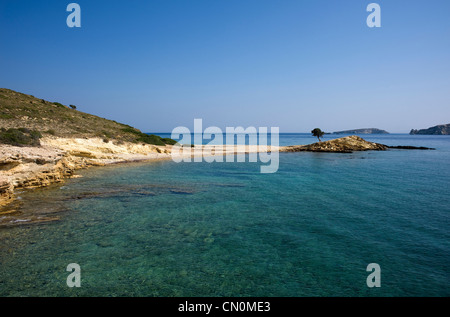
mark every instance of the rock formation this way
{"type": "Point", "coordinates": [342, 145]}
{"type": "Point", "coordinates": [346, 144]}
{"type": "Point", "coordinates": [6, 192]}
{"type": "Point", "coordinates": [59, 158]}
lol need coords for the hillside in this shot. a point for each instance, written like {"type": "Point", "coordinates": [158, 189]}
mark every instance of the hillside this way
{"type": "Point", "coordinates": [43, 142]}
{"type": "Point", "coordinates": [25, 118]}
{"type": "Point", "coordinates": [363, 131]}
{"type": "Point", "coordinates": [443, 129]}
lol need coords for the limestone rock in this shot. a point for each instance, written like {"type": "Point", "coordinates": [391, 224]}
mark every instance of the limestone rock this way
{"type": "Point", "coordinates": [6, 192]}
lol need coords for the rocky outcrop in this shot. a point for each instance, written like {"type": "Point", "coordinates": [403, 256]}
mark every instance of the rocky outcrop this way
{"type": "Point", "coordinates": [347, 144]}
{"type": "Point", "coordinates": [6, 192]}
{"type": "Point", "coordinates": [342, 145]}
{"type": "Point", "coordinates": [33, 167]}
{"type": "Point", "coordinates": [53, 173]}
{"type": "Point", "coordinates": [59, 158]}
{"type": "Point", "coordinates": [362, 131]}
{"type": "Point", "coordinates": [443, 129]}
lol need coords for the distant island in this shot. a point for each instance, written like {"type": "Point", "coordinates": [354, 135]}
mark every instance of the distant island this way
{"type": "Point", "coordinates": [443, 129]}
{"type": "Point", "coordinates": [362, 131]}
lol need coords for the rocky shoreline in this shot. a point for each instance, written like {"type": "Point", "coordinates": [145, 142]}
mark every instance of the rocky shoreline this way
{"type": "Point", "coordinates": [58, 158]}
{"type": "Point", "coordinates": [347, 144]}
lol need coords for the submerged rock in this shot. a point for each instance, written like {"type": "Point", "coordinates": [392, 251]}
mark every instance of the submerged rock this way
{"type": "Point", "coordinates": [409, 147]}
{"type": "Point", "coordinates": [182, 191]}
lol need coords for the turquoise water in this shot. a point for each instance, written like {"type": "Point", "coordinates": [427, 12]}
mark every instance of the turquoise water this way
{"type": "Point", "coordinates": [224, 229]}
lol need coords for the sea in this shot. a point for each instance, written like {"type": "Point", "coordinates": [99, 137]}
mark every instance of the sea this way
{"type": "Point", "coordinates": [314, 228]}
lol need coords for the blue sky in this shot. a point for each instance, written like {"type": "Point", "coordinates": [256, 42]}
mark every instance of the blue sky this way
{"type": "Point", "coordinates": [294, 64]}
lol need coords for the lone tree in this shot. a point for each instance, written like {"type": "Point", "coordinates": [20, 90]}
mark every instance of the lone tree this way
{"type": "Point", "coordinates": [318, 133]}
{"type": "Point", "coordinates": [73, 107]}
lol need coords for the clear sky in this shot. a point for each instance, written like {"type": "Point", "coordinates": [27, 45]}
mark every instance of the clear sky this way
{"type": "Point", "coordinates": [294, 64]}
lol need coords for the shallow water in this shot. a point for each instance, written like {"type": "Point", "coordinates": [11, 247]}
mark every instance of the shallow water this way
{"type": "Point", "coordinates": [224, 229]}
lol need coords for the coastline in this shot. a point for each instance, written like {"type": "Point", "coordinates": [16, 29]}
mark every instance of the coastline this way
{"type": "Point", "coordinates": [58, 159]}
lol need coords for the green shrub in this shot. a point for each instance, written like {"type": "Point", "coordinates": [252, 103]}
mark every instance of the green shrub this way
{"type": "Point", "coordinates": [5, 116]}
{"type": "Point", "coordinates": [59, 105]}
{"type": "Point", "coordinates": [169, 141]}
{"type": "Point", "coordinates": [107, 134]}
{"type": "Point", "coordinates": [131, 130]}
{"type": "Point", "coordinates": [20, 137]}
{"type": "Point", "coordinates": [148, 138]}
{"type": "Point", "coordinates": [50, 131]}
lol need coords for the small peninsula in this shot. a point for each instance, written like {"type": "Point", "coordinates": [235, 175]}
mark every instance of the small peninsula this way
{"type": "Point", "coordinates": [362, 131]}
{"type": "Point", "coordinates": [442, 129]}
{"type": "Point", "coordinates": [348, 144]}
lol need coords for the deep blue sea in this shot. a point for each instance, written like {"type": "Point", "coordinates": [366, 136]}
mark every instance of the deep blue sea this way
{"type": "Point", "coordinates": [224, 229]}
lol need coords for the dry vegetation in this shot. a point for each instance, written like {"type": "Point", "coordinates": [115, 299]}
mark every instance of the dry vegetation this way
{"type": "Point", "coordinates": [21, 111]}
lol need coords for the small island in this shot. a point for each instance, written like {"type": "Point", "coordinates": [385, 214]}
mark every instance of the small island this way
{"type": "Point", "coordinates": [442, 129]}
{"type": "Point", "coordinates": [362, 131]}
